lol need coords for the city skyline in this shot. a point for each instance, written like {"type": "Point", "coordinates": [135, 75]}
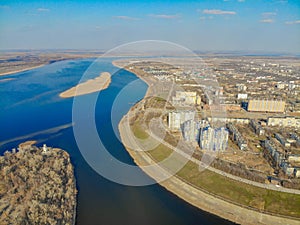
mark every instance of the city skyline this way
{"type": "Point", "coordinates": [224, 25]}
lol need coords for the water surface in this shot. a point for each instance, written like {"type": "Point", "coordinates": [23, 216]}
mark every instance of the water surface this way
{"type": "Point", "coordinates": [32, 109]}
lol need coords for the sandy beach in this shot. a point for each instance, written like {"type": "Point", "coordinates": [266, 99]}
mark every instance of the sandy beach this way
{"type": "Point", "coordinates": [21, 70]}
{"type": "Point", "coordinates": [27, 143]}
{"type": "Point", "coordinates": [93, 85]}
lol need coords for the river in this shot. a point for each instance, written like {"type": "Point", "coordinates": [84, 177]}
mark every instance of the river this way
{"type": "Point", "coordinates": [32, 110]}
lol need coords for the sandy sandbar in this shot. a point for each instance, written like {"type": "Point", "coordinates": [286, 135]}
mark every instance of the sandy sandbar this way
{"type": "Point", "coordinates": [90, 86]}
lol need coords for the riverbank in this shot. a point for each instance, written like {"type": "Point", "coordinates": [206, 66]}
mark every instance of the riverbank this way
{"type": "Point", "coordinates": [195, 196]}
{"type": "Point", "coordinates": [21, 70]}
{"type": "Point", "coordinates": [201, 199]}
{"type": "Point", "coordinates": [140, 74]}
{"type": "Point", "coordinates": [99, 83]}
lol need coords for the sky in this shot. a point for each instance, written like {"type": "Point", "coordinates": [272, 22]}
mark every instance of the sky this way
{"type": "Point", "coordinates": [203, 25]}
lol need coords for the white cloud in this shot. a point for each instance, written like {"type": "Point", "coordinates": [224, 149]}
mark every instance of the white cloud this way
{"type": "Point", "coordinates": [125, 18]}
{"type": "Point", "coordinates": [267, 21]}
{"type": "Point", "coordinates": [218, 12]}
{"type": "Point", "coordinates": [266, 14]}
{"type": "Point", "coordinates": [43, 10]}
{"type": "Point", "coordinates": [164, 16]}
{"type": "Point", "coordinates": [292, 22]}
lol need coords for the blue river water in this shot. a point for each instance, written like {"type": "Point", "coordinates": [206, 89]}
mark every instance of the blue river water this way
{"type": "Point", "coordinates": [31, 109]}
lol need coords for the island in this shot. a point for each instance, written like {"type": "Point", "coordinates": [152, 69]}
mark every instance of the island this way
{"type": "Point", "coordinates": [37, 186]}
{"type": "Point", "coordinates": [90, 86]}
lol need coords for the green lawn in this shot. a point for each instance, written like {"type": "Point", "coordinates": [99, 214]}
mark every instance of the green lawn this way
{"type": "Point", "coordinates": [234, 191]}
{"type": "Point", "coordinates": [139, 132]}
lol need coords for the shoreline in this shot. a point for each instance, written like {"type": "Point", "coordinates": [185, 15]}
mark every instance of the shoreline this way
{"type": "Point", "coordinates": [21, 70]}
{"type": "Point", "coordinates": [193, 195]}
{"type": "Point", "coordinates": [90, 86]}
{"type": "Point", "coordinates": [199, 198]}
{"type": "Point", "coordinates": [148, 80]}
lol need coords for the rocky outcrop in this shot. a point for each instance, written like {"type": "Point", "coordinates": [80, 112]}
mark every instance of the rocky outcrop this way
{"type": "Point", "coordinates": [37, 186]}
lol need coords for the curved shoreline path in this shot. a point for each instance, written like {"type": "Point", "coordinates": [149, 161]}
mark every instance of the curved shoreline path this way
{"type": "Point", "coordinates": [194, 195]}
{"type": "Point", "coordinates": [90, 86]}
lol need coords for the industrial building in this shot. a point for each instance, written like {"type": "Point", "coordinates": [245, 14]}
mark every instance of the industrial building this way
{"type": "Point", "coordinates": [287, 121]}
{"type": "Point", "coordinates": [255, 105]}
{"type": "Point", "coordinates": [177, 118]}
{"type": "Point", "coordinates": [215, 139]}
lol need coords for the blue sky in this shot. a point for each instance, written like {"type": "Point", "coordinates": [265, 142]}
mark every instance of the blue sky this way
{"type": "Point", "coordinates": [208, 25]}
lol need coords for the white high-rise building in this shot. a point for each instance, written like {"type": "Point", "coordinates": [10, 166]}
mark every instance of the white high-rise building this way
{"type": "Point", "coordinates": [177, 118]}
{"type": "Point", "coordinates": [191, 130]}
{"type": "Point", "coordinates": [214, 139]}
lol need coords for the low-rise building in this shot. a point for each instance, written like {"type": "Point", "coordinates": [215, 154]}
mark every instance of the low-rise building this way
{"type": "Point", "coordinates": [295, 137]}
{"type": "Point", "coordinates": [257, 127]}
{"type": "Point", "coordinates": [228, 120]}
{"type": "Point", "coordinates": [293, 158]}
{"type": "Point", "coordinates": [242, 96]}
{"type": "Point", "coordinates": [186, 98]}
{"type": "Point", "coordinates": [237, 137]}
{"type": "Point", "coordinates": [287, 121]}
{"type": "Point", "coordinates": [288, 169]}
{"type": "Point", "coordinates": [241, 87]}
{"type": "Point", "coordinates": [282, 140]}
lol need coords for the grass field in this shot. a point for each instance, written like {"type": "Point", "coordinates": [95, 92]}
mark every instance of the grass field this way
{"type": "Point", "coordinates": [231, 190]}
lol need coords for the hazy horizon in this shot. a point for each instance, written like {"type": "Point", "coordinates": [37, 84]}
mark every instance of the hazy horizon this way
{"type": "Point", "coordinates": [214, 26]}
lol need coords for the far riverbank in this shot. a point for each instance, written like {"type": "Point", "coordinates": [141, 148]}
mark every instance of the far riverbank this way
{"type": "Point", "coordinates": [21, 70]}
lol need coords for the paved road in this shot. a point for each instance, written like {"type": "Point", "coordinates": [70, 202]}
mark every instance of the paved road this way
{"type": "Point", "coordinates": [237, 178]}
{"type": "Point", "coordinates": [196, 196]}
{"type": "Point", "coordinates": [188, 156]}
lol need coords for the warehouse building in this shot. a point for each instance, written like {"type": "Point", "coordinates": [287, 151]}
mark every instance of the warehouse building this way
{"type": "Point", "coordinates": [255, 105]}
